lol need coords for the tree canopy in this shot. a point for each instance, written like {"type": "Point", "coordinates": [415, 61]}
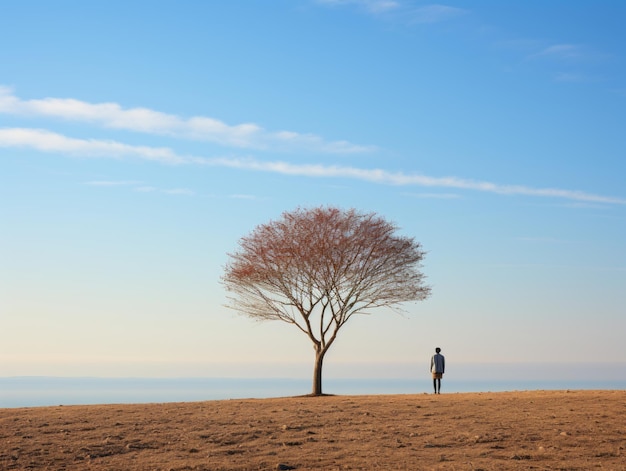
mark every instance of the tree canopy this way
{"type": "Point", "coordinates": [317, 268]}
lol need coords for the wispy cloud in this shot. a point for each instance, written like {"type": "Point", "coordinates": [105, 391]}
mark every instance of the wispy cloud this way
{"type": "Point", "coordinates": [179, 191]}
{"type": "Point", "coordinates": [565, 62]}
{"type": "Point", "coordinates": [108, 183]}
{"type": "Point", "coordinates": [434, 13]}
{"type": "Point", "coordinates": [46, 141]}
{"type": "Point", "coordinates": [547, 240]}
{"type": "Point", "coordinates": [406, 10]}
{"type": "Point", "coordinates": [146, 189]}
{"type": "Point", "coordinates": [139, 187]}
{"type": "Point", "coordinates": [372, 6]}
{"type": "Point", "coordinates": [568, 53]}
{"type": "Point", "coordinates": [442, 196]}
{"type": "Point", "coordinates": [403, 179]}
{"type": "Point", "coordinates": [571, 77]}
{"type": "Point", "coordinates": [199, 128]}
{"type": "Point", "coordinates": [173, 191]}
{"type": "Point", "coordinates": [560, 51]}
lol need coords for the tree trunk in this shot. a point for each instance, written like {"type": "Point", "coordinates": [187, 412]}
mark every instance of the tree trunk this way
{"type": "Point", "coordinates": [317, 372]}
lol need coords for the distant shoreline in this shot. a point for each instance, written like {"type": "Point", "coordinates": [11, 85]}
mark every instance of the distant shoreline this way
{"type": "Point", "coordinates": [51, 391]}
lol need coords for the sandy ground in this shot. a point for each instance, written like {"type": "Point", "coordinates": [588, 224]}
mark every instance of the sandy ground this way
{"type": "Point", "coordinates": [555, 430]}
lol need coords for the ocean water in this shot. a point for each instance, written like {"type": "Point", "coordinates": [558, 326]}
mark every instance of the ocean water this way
{"type": "Point", "coordinates": [51, 391]}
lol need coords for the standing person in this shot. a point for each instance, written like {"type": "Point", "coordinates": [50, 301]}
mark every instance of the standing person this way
{"type": "Point", "coordinates": [437, 368]}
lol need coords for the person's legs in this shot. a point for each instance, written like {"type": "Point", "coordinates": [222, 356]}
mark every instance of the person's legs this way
{"type": "Point", "coordinates": [438, 385]}
{"type": "Point", "coordinates": [435, 384]}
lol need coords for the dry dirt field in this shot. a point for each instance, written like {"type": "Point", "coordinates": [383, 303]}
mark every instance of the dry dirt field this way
{"type": "Point", "coordinates": [555, 430]}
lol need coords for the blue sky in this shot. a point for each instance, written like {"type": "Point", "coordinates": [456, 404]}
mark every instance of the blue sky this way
{"type": "Point", "coordinates": [140, 140]}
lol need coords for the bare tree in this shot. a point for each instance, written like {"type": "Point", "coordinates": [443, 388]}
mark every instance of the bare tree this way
{"type": "Point", "coordinates": [316, 268]}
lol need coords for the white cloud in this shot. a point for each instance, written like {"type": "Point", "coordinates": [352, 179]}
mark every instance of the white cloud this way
{"type": "Point", "coordinates": [137, 186]}
{"type": "Point", "coordinates": [46, 141]}
{"type": "Point", "coordinates": [109, 183]}
{"type": "Point", "coordinates": [443, 196]}
{"type": "Point", "coordinates": [404, 179]}
{"type": "Point", "coordinates": [571, 53]}
{"type": "Point", "coordinates": [402, 10]}
{"type": "Point", "coordinates": [243, 197]}
{"type": "Point", "coordinates": [561, 51]}
{"type": "Point", "coordinates": [549, 240]}
{"type": "Point", "coordinates": [373, 6]}
{"type": "Point", "coordinates": [434, 13]}
{"type": "Point", "coordinates": [382, 5]}
{"type": "Point", "coordinates": [200, 128]}
{"type": "Point", "coordinates": [145, 189]}
{"type": "Point", "coordinates": [179, 191]}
